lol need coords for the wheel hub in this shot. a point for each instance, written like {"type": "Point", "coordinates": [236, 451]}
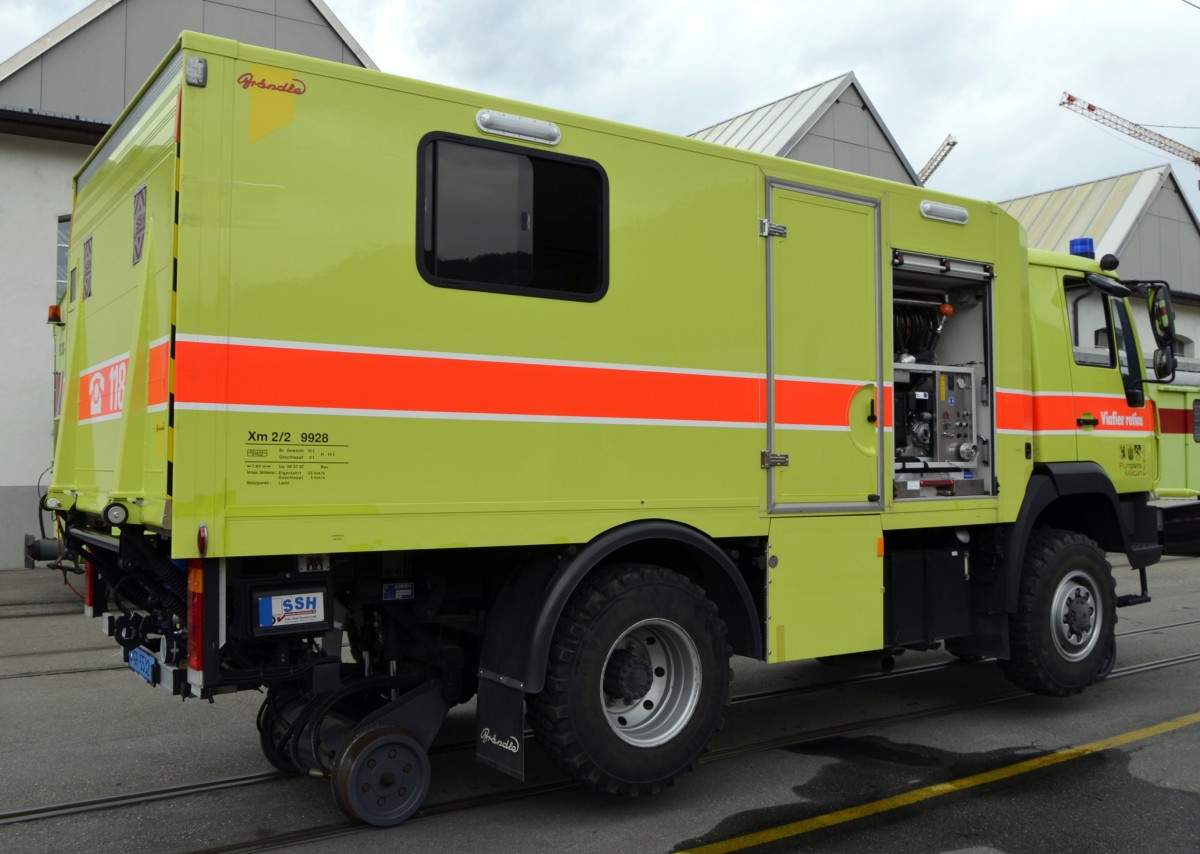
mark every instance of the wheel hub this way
{"type": "Point", "coordinates": [1075, 621]}
{"type": "Point", "coordinates": [382, 777]}
{"type": "Point", "coordinates": [1079, 613]}
{"type": "Point", "coordinates": [627, 676]}
{"type": "Point", "coordinates": [651, 683]}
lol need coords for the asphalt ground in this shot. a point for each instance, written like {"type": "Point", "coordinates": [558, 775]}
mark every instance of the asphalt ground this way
{"type": "Point", "coordinates": [949, 759]}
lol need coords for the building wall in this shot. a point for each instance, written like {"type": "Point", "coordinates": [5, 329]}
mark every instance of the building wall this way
{"type": "Point", "coordinates": [79, 77]}
{"type": "Point", "coordinates": [848, 137]}
{"type": "Point", "coordinates": [36, 177]}
{"type": "Point", "coordinates": [1166, 245]}
{"type": "Point", "coordinates": [91, 74]}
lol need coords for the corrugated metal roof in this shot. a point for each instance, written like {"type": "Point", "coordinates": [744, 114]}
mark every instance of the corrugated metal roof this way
{"type": "Point", "coordinates": [89, 13]}
{"type": "Point", "coordinates": [777, 127]}
{"type": "Point", "coordinates": [1107, 210]}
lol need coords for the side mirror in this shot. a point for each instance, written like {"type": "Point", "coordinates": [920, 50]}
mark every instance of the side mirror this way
{"type": "Point", "coordinates": [1164, 364]}
{"type": "Point", "coordinates": [1162, 315]}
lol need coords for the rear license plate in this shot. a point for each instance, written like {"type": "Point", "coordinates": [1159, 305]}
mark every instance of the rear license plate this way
{"type": "Point", "coordinates": [144, 665]}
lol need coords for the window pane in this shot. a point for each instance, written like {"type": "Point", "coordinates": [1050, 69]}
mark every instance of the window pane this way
{"type": "Point", "coordinates": [496, 218]}
{"type": "Point", "coordinates": [482, 215]}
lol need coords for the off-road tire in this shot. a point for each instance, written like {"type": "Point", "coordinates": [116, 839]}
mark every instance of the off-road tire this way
{"type": "Point", "coordinates": [1065, 578]}
{"type": "Point", "coordinates": [576, 722]}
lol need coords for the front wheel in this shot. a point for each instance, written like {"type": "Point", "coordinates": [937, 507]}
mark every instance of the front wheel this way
{"type": "Point", "coordinates": [1062, 635]}
{"type": "Point", "coordinates": [637, 680]}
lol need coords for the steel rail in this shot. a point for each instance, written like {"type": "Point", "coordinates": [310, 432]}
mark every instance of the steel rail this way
{"type": "Point", "coordinates": [149, 796]}
{"type": "Point", "coordinates": [349, 828]}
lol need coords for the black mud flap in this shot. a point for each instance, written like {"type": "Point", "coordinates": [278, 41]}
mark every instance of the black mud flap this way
{"type": "Point", "coordinates": [1181, 529]}
{"type": "Point", "coordinates": [500, 722]}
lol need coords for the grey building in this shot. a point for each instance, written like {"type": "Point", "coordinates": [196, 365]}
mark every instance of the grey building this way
{"type": "Point", "coordinates": [1145, 220]}
{"type": "Point", "coordinates": [831, 124]}
{"type": "Point", "coordinates": [58, 96]}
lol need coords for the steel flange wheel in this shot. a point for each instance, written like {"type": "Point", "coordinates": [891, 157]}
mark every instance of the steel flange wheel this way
{"type": "Point", "coordinates": [382, 776]}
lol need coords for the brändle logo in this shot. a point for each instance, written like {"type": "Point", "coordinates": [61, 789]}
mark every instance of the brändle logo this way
{"type": "Point", "coordinates": [295, 87]}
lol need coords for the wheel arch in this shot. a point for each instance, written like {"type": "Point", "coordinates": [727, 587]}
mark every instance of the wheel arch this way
{"type": "Point", "coordinates": [1080, 497]}
{"type": "Point", "coordinates": [521, 623]}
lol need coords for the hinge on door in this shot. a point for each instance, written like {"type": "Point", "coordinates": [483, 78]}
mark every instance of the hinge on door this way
{"type": "Point", "coordinates": [769, 461]}
{"type": "Point", "coordinates": [766, 228]}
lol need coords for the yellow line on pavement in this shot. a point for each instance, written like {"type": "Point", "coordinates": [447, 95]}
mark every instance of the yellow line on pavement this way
{"type": "Point", "coordinates": [796, 828]}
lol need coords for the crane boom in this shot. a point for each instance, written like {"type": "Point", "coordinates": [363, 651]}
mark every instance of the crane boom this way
{"type": "Point", "coordinates": [936, 160]}
{"type": "Point", "coordinates": [1104, 117]}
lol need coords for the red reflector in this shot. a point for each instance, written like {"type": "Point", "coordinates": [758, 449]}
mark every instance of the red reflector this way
{"type": "Point", "coordinates": [195, 615]}
{"type": "Point", "coordinates": [202, 540]}
{"type": "Point", "coordinates": [89, 590]}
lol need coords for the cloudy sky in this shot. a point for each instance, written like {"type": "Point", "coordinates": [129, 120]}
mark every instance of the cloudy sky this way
{"type": "Point", "coordinates": [991, 73]}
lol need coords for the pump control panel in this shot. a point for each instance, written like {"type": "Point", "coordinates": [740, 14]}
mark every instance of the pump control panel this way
{"type": "Point", "coordinates": [936, 416]}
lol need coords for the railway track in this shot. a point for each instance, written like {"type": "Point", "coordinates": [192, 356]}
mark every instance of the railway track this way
{"type": "Point", "coordinates": [520, 792]}
{"type": "Point", "coordinates": [348, 828]}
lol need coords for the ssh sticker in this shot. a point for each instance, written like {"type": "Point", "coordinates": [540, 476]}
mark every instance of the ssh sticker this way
{"type": "Point", "coordinates": [292, 610]}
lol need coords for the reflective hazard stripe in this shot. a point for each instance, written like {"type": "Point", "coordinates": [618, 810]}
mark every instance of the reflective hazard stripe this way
{"type": "Point", "coordinates": [250, 375]}
{"type": "Point", "coordinates": [1058, 413]}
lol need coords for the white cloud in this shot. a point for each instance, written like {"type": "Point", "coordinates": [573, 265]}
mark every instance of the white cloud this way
{"type": "Point", "coordinates": [991, 73]}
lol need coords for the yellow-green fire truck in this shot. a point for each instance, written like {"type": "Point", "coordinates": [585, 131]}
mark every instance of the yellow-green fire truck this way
{"type": "Point", "coordinates": [384, 396]}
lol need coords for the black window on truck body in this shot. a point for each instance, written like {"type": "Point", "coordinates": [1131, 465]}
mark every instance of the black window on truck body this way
{"type": "Point", "coordinates": [509, 219]}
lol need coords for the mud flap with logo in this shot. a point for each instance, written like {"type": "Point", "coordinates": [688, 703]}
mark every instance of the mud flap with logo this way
{"type": "Point", "coordinates": [500, 722]}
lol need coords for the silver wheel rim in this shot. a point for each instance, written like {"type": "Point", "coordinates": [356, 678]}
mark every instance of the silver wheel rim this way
{"type": "Point", "coordinates": [1075, 616]}
{"type": "Point", "coordinates": [667, 665]}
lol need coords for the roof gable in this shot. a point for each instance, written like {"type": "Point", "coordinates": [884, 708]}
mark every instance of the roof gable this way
{"type": "Point", "coordinates": [780, 129]}
{"type": "Point", "coordinates": [93, 63]}
{"type": "Point", "coordinates": [1108, 210]}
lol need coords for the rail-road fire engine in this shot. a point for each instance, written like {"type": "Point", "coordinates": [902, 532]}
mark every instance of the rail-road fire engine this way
{"type": "Point", "coordinates": [386, 397]}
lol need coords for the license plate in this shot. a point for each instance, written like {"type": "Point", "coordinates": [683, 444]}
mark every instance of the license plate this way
{"type": "Point", "coordinates": [144, 665]}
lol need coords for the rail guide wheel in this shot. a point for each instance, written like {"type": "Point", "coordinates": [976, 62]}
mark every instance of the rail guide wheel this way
{"type": "Point", "coordinates": [382, 776]}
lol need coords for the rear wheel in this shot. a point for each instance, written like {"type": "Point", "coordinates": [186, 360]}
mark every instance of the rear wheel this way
{"type": "Point", "coordinates": [1062, 635]}
{"type": "Point", "coordinates": [637, 680]}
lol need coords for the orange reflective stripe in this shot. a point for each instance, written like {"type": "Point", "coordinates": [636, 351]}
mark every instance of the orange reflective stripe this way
{"type": "Point", "coordinates": [1054, 413]}
{"type": "Point", "coordinates": [254, 375]}
{"type": "Point", "coordinates": [1062, 412]}
{"type": "Point", "coordinates": [813, 403]}
{"type": "Point", "coordinates": [1014, 411]}
{"type": "Point", "coordinates": [156, 386]}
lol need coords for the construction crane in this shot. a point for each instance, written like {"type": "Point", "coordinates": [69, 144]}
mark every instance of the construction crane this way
{"type": "Point", "coordinates": [1125, 126]}
{"type": "Point", "coordinates": [938, 156]}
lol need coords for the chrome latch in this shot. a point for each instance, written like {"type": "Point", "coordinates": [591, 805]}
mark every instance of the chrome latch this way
{"type": "Point", "coordinates": [769, 461]}
{"type": "Point", "coordinates": [766, 228]}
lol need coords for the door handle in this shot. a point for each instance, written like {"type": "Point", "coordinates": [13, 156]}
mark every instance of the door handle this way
{"type": "Point", "coordinates": [871, 419]}
{"type": "Point", "coordinates": [1087, 422]}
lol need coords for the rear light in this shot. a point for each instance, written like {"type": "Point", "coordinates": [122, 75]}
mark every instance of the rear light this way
{"type": "Point", "coordinates": [195, 615]}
